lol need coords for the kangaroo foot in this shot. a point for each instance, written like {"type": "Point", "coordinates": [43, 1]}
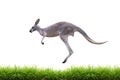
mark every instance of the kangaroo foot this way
{"type": "Point", "coordinates": [64, 61]}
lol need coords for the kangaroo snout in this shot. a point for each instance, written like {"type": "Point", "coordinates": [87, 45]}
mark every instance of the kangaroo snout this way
{"type": "Point", "coordinates": [30, 31]}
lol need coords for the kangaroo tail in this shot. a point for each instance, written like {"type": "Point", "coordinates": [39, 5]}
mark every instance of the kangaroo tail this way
{"type": "Point", "coordinates": [87, 37]}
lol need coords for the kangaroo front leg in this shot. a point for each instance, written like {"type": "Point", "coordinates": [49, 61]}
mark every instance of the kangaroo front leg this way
{"type": "Point", "coordinates": [64, 38]}
{"type": "Point", "coordinates": [43, 33]}
{"type": "Point", "coordinates": [42, 40]}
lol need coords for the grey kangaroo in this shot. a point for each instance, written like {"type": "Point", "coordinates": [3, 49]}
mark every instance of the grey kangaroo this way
{"type": "Point", "coordinates": [63, 30]}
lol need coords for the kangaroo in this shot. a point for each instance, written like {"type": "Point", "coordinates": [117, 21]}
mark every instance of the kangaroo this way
{"type": "Point", "coordinates": [63, 30]}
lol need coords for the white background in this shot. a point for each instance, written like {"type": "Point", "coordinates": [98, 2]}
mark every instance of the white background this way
{"type": "Point", "coordinates": [100, 19]}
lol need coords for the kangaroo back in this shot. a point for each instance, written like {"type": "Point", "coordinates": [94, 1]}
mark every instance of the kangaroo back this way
{"type": "Point", "coordinates": [87, 37]}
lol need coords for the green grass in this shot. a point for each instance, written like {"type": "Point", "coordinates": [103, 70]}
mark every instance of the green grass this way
{"type": "Point", "coordinates": [73, 73]}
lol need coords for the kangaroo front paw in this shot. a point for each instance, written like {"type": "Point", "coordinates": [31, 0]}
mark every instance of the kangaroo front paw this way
{"type": "Point", "coordinates": [42, 43]}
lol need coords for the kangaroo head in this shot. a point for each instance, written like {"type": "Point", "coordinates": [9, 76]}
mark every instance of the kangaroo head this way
{"type": "Point", "coordinates": [34, 28]}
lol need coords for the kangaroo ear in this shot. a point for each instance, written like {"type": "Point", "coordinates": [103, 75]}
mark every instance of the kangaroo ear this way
{"type": "Point", "coordinates": [37, 21]}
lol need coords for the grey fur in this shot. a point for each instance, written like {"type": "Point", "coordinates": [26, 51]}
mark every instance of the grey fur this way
{"type": "Point", "coordinates": [63, 30]}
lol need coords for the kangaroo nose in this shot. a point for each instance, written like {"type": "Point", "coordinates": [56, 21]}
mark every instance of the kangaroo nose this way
{"type": "Point", "coordinates": [30, 31]}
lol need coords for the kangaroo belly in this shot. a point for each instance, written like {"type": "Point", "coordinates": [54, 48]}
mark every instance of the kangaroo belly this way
{"type": "Point", "coordinates": [52, 34]}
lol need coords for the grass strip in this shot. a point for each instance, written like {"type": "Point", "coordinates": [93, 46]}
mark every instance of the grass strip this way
{"type": "Point", "coordinates": [73, 73]}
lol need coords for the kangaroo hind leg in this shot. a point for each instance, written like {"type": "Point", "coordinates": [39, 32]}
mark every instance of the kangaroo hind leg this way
{"type": "Point", "coordinates": [64, 38]}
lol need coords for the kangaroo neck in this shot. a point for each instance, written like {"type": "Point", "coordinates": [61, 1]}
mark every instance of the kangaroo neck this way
{"type": "Point", "coordinates": [41, 31]}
